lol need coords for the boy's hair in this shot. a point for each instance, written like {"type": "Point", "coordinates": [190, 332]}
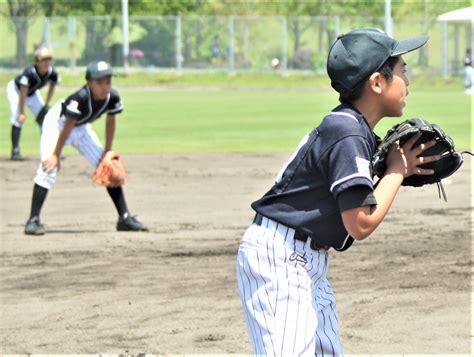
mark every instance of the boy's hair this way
{"type": "Point", "coordinates": [385, 70]}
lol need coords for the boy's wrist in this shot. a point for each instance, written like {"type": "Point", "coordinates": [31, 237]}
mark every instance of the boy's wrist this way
{"type": "Point", "coordinates": [395, 175]}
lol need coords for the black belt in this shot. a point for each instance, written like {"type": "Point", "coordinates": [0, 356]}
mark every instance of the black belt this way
{"type": "Point", "coordinates": [298, 235]}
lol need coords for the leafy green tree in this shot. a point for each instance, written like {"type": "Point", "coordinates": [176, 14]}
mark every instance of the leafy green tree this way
{"type": "Point", "coordinates": [19, 11]}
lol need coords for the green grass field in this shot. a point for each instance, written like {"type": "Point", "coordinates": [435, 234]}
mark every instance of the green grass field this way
{"type": "Point", "coordinates": [258, 113]}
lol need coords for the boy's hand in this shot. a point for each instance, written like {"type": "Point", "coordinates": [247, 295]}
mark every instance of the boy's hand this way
{"type": "Point", "coordinates": [21, 118]}
{"type": "Point", "coordinates": [405, 160]}
{"type": "Point", "coordinates": [51, 162]}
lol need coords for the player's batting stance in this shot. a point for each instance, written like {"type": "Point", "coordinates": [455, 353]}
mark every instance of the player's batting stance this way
{"type": "Point", "coordinates": [68, 123]}
{"type": "Point", "coordinates": [325, 198]}
{"type": "Point", "coordinates": [24, 90]}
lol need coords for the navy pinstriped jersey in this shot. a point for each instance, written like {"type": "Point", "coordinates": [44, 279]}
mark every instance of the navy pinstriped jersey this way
{"type": "Point", "coordinates": [82, 107]}
{"type": "Point", "coordinates": [331, 161]}
{"type": "Point", "coordinates": [34, 81]}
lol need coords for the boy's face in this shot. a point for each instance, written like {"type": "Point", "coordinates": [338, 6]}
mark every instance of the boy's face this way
{"type": "Point", "coordinates": [396, 90]}
{"type": "Point", "coordinates": [100, 88]}
{"type": "Point", "coordinates": [43, 65]}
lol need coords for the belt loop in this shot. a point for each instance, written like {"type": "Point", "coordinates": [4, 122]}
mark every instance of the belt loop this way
{"type": "Point", "coordinates": [258, 219]}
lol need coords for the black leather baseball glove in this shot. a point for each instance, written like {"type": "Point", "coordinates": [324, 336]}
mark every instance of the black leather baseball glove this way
{"type": "Point", "coordinates": [450, 160]}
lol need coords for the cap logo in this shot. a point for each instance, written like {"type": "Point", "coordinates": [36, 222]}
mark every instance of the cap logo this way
{"type": "Point", "coordinates": [102, 66]}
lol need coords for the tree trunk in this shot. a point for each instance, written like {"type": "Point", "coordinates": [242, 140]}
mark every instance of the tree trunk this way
{"type": "Point", "coordinates": [114, 50]}
{"type": "Point", "coordinates": [198, 42]}
{"type": "Point", "coordinates": [90, 39]}
{"type": "Point", "coordinates": [296, 34]}
{"type": "Point", "coordinates": [321, 32]}
{"type": "Point", "coordinates": [331, 35]}
{"type": "Point", "coordinates": [187, 46]}
{"type": "Point", "coordinates": [21, 26]}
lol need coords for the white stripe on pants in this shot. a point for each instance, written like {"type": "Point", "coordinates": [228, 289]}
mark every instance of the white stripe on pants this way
{"type": "Point", "coordinates": [82, 137]}
{"type": "Point", "coordinates": [35, 102]}
{"type": "Point", "coordinates": [288, 303]}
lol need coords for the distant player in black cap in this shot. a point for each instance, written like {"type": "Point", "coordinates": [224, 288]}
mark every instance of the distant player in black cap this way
{"type": "Point", "coordinates": [325, 198]}
{"type": "Point", "coordinates": [68, 123]}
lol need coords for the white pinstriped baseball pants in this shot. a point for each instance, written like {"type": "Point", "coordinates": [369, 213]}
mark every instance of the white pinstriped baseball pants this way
{"type": "Point", "coordinates": [288, 303]}
{"type": "Point", "coordinates": [82, 137]}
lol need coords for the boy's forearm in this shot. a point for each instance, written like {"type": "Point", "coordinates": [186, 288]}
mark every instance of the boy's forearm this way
{"type": "Point", "coordinates": [50, 94]}
{"type": "Point", "coordinates": [109, 132]}
{"type": "Point", "coordinates": [21, 100]}
{"type": "Point", "coordinates": [385, 193]}
{"type": "Point", "coordinates": [68, 126]}
{"type": "Point", "coordinates": [361, 222]}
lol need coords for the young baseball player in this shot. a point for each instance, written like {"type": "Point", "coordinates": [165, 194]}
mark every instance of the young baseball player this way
{"type": "Point", "coordinates": [25, 90]}
{"type": "Point", "coordinates": [68, 123]}
{"type": "Point", "coordinates": [325, 198]}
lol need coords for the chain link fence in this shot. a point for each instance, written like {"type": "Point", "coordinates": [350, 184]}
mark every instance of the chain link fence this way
{"type": "Point", "coordinates": [234, 43]}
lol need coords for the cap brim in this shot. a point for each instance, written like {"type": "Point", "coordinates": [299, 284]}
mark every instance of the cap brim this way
{"type": "Point", "coordinates": [101, 75]}
{"type": "Point", "coordinates": [409, 45]}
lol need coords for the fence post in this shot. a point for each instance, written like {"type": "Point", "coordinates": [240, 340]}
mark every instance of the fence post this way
{"type": "Point", "coordinates": [444, 48]}
{"type": "Point", "coordinates": [231, 44]}
{"type": "Point", "coordinates": [71, 26]}
{"type": "Point", "coordinates": [126, 48]}
{"type": "Point", "coordinates": [179, 57]}
{"type": "Point", "coordinates": [388, 17]}
{"type": "Point", "coordinates": [284, 44]}
{"type": "Point", "coordinates": [46, 33]}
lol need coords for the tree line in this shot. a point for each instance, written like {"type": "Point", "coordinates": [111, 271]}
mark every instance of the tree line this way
{"type": "Point", "coordinates": [18, 11]}
{"type": "Point", "coordinates": [372, 8]}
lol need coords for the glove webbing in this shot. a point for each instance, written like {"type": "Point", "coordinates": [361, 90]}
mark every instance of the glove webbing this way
{"type": "Point", "coordinates": [441, 190]}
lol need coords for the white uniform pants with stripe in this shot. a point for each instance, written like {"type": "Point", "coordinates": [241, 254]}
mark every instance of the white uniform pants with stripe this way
{"type": "Point", "coordinates": [35, 102]}
{"type": "Point", "coordinates": [82, 137]}
{"type": "Point", "coordinates": [288, 303]}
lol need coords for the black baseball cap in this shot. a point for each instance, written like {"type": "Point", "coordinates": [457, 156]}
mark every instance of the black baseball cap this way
{"type": "Point", "coordinates": [98, 69]}
{"type": "Point", "coordinates": [356, 55]}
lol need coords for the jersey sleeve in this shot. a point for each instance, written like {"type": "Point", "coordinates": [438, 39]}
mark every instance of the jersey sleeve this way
{"type": "Point", "coordinates": [115, 104]}
{"type": "Point", "coordinates": [71, 106]}
{"type": "Point", "coordinates": [25, 78]}
{"type": "Point", "coordinates": [24, 81]}
{"type": "Point", "coordinates": [55, 78]}
{"type": "Point", "coordinates": [356, 196]}
{"type": "Point", "coordinates": [348, 164]}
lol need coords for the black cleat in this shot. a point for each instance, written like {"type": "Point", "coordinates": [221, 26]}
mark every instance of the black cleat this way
{"type": "Point", "coordinates": [130, 223]}
{"type": "Point", "coordinates": [16, 156]}
{"type": "Point", "coordinates": [34, 227]}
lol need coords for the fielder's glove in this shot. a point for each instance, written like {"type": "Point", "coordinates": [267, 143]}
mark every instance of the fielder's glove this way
{"type": "Point", "coordinates": [450, 160]}
{"type": "Point", "coordinates": [111, 171]}
{"type": "Point", "coordinates": [41, 115]}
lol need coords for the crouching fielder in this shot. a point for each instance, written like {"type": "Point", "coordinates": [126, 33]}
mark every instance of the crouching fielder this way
{"type": "Point", "coordinates": [68, 123]}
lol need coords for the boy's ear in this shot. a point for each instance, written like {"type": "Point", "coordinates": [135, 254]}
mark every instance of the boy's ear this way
{"type": "Point", "coordinates": [375, 82]}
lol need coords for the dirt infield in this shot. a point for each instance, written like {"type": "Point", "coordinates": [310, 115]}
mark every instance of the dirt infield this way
{"type": "Point", "coordinates": [85, 288]}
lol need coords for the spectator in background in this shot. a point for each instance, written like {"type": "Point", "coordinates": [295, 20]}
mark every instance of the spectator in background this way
{"type": "Point", "coordinates": [215, 50]}
{"type": "Point", "coordinates": [468, 72]}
